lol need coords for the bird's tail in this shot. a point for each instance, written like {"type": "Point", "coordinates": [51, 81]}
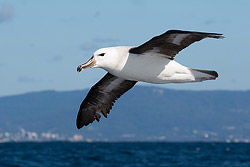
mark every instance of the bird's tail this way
{"type": "Point", "coordinates": [202, 75]}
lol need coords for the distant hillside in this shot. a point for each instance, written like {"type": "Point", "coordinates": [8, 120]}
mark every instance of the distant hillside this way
{"type": "Point", "coordinates": [143, 113]}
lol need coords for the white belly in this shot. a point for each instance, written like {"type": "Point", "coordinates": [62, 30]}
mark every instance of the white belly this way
{"type": "Point", "coordinates": [153, 69]}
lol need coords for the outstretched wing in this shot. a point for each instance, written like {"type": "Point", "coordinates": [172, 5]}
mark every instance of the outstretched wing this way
{"type": "Point", "coordinates": [101, 98]}
{"type": "Point", "coordinates": [172, 42]}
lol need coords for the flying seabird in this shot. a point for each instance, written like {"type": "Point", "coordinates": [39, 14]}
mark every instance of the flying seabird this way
{"type": "Point", "coordinates": [151, 62]}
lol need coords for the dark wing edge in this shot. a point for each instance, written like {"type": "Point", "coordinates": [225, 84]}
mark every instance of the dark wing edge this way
{"type": "Point", "coordinates": [101, 98]}
{"type": "Point", "coordinates": [172, 42]}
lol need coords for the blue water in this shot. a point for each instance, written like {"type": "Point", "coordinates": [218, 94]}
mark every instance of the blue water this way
{"type": "Point", "coordinates": [53, 154]}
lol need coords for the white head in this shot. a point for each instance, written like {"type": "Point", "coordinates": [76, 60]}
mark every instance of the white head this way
{"type": "Point", "coordinates": [106, 58]}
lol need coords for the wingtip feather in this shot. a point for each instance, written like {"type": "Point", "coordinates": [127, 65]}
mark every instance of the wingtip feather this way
{"type": "Point", "coordinates": [217, 36]}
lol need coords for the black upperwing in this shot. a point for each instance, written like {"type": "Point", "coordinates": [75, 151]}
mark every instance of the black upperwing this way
{"type": "Point", "coordinates": [101, 98]}
{"type": "Point", "coordinates": [172, 42]}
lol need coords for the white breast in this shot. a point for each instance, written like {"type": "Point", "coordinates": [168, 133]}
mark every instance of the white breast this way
{"type": "Point", "coordinates": [152, 69]}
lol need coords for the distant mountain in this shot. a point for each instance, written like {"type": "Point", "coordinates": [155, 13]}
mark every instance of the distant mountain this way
{"type": "Point", "coordinates": [142, 114]}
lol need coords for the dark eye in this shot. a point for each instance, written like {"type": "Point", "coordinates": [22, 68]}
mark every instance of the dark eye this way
{"type": "Point", "coordinates": [102, 54]}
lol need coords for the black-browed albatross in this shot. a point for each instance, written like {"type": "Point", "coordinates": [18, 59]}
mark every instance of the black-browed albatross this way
{"type": "Point", "coordinates": [151, 62]}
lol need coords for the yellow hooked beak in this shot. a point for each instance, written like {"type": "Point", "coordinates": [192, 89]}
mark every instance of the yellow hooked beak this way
{"type": "Point", "coordinates": [90, 63]}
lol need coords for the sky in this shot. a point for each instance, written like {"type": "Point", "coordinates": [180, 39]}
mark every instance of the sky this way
{"type": "Point", "coordinates": [43, 42]}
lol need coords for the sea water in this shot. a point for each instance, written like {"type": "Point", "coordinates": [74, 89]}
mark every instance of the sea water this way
{"type": "Point", "coordinates": [124, 154]}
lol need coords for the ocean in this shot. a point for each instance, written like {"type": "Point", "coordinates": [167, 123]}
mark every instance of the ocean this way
{"type": "Point", "coordinates": [124, 154]}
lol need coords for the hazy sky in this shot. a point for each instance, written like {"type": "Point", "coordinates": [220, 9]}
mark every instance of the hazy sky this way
{"type": "Point", "coordinates": [42, 42]}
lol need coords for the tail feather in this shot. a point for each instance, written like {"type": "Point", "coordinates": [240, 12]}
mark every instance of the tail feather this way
{"type": "Point", "coordinates": [201, 75]}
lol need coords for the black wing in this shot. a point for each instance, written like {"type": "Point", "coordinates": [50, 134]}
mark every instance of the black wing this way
{"type": "Point", "coordinates": [101, 98]}
{"type": "Point", "coordinates": [172, 42]}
